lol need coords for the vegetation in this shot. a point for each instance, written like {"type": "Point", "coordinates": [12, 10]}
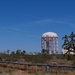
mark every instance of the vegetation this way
{"type": "Point", "coordinates": [21, 56]}
{"type": "Point", "coordinates": [55, 59]}
{"type": "Point", "coordinates": [69, 43]}
{"type": "Point", "coordinates": [0, 72]}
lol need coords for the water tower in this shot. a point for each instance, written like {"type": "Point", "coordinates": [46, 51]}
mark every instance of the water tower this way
{"type": "Point", "coordinates": [49, 43]}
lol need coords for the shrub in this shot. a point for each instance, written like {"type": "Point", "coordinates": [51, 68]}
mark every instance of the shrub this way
{"type": "Point", "coordinates": [4, 65]}
{"type": "Point", "coordinates": [36, 73]}
{"type": "Point", "coordinates": [73, 63]}
{"type": "Point", "coordinates": [0, 72]}
{"type": "Point", "coordinates": [9, 71]}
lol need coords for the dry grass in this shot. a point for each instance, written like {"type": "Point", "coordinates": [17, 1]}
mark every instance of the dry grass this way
{"type": "Point", "coordinates": [11, 69]}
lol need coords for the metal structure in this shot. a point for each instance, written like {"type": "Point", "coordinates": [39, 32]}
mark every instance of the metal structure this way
{"type": "Point", "coordinates": [49, 43]}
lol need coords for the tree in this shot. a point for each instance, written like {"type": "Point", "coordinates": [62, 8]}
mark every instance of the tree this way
{"type": "Point", "coordinates": [69, 43]}
{"type": "Point", "coordinates": [12, 52]}
{"type": "Point", "coordinates": [23, 52]}
{"type": "Point", "coordinates": [45, 51]}
{"type": "Point", "coordinates": [8, 51]}
{"type": "Point", "coordinates": [18, 51]}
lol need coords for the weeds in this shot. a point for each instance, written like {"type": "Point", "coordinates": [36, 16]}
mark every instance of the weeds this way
{"type": "Point", "coordinates": [36, 73]}
{"type": "Point", "coordinates": [9, 71]}
{"type": "Point", "coordinates": [1, 72]}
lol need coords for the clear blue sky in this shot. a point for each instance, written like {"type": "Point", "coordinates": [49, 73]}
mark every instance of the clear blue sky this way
{"type": "Point", "coordinates": [22, 22]}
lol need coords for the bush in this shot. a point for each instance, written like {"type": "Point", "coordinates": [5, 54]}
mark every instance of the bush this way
{"type": "Point", "coordinates": [9, 71]}
{"type": "Point", "coordinates": [0, 72]}
{"type": "Point", "coordinates": [73, 63]}
{"type": "Point", "coordinates": [4, 65]}
{"type": "Point", "coordinates": [36, 73]}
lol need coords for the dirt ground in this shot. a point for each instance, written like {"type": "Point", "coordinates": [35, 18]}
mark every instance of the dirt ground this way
{"type": "Point", "coordinates": [20, 72]}
{"type": "Point", "coordinates": [9, 71]}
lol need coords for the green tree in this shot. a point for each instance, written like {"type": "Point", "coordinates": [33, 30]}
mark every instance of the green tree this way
{"type": "Point", "coordinates": [13, 53]}
{"type": "Point", "coordinates": [8, 51]}
{"type": "Point", "coordinates": [69, 43]}
{"type": "Point", "coordinates": [18, 51]}
{"type": "Point", "coordinates": [45, 51]}
{"type": "Point", "coordinates": [23, 52]}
